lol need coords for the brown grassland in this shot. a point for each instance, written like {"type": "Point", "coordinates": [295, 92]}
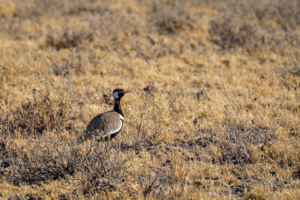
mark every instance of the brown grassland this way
{"type": "Point", "coordinates": [213, 112]}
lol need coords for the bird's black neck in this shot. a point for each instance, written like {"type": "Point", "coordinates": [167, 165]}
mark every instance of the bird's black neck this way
{"type": "Point", "coordinates": [117, 107]}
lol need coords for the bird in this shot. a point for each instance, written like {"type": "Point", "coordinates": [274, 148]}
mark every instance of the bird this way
{"type": "Point", "coordinates": [106, 126]}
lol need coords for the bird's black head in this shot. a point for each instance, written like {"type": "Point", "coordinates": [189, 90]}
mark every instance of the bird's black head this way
{"type": "Point", "coordinates": [119, 93]}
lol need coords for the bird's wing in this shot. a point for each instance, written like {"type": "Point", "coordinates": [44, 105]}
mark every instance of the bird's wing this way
{"type": "Point", "coordinates": [108, 123]}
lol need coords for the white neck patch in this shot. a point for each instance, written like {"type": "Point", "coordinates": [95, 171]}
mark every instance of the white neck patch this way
{"type": "Point", "coordinates": [116, 95]}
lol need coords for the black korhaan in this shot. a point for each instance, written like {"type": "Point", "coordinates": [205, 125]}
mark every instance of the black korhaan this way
{"type": "Point", "coordinates": [107, 125]}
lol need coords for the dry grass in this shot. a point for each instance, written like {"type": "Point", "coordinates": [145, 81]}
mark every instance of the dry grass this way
{"type": "Point", "coordinates": [214, 112]}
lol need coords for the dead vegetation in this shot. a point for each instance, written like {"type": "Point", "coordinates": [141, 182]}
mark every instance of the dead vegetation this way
{"type": "Point", "coordinates": [68, 38]}
{"type": "Point", "coordinates": [231, 36]}
{"type": "Point", "coordinates": [213, 112]}
{"type": "Point", "coordinates": [46, 159]}
{"type": "Point", "coordinates": [37, 116]}
{"type": "Point", "coordinates": [170, 18]}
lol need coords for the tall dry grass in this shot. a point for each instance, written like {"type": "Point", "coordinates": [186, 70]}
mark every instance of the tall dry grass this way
{"type": "Point", "coordinates": [213, 113]}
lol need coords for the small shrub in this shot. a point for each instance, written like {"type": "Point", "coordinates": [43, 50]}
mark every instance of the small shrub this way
{"type": "Point", "coordinates": [36, 116]}
{"type": "Point", "coordinates": [170, 19]}
{"type": "Point", "coordinates": [157, 185]}
{"type": "Point", "coordinates": [285, 13]}
{"type": "Point", "coordinates": [73, 64]}
{"type": "Point", "coordinates": [293, 68]}
{"type": "Point", "coordinates": [68, 38]}
{"type": "Point", "coordinates": [227, 35]}
{"type": "Point", "coordinates": [45, 159]}
{"type": "Point", "coordinates": [240, 142]}
{"type": "Point", "coordinates": [142, 135]}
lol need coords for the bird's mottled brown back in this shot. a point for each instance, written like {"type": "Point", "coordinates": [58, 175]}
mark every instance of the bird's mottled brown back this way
{"type": "Point", "coordinates": [105, 122]}
{"type": "Point", "coordinates": [104, 126]}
